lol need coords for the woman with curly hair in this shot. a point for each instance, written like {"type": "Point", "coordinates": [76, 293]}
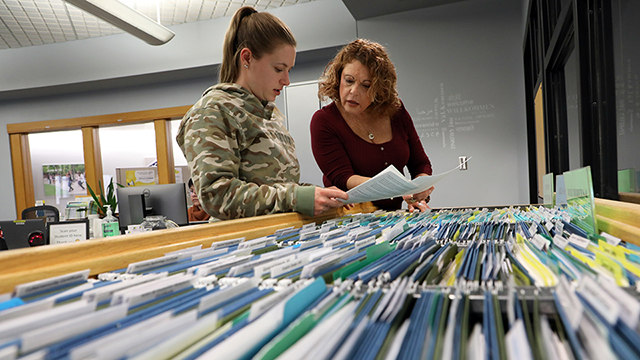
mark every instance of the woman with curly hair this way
{"type": "Point", "coordinates": [366, 128]}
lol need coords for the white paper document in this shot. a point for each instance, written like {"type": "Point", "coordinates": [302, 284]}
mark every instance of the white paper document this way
{"type": "Point", "coordinates": [390, 183]}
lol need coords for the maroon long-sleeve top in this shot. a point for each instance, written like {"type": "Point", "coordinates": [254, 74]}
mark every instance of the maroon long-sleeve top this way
{"type": "Point", "coordinates": [341, 153]}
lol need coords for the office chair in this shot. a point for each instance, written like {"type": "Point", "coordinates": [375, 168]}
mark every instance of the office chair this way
{"type": "Point", "coordinates": [48, 212]}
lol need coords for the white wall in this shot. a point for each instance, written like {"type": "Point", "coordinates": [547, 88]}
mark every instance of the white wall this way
{"type": "Point", "coordinates": [301, 102]}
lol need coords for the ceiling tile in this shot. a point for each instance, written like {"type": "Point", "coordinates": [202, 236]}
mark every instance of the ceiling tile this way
{"type": "Point", "coordinates": [34, 22]}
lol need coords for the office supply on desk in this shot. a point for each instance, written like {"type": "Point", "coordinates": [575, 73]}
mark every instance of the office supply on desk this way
{"type": "Point", "coordinates": [24, 233]}
{"type": "Point", "coordinates": [198, 222]}
{"type": "Point", "coordinates": [77, 210]}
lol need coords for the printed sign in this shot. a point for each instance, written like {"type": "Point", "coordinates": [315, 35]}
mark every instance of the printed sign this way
{"type": "Point", "coordinates": [68, 231]}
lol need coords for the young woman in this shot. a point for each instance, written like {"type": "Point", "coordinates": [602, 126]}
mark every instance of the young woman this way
{"type": "Point", "coordinates": [366, 128]}
{"type": "Point", "coordinates": [242, 158]}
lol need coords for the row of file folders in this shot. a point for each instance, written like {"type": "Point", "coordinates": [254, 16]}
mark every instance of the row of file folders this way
{"type": "Point", "coordinates": [508, 283]}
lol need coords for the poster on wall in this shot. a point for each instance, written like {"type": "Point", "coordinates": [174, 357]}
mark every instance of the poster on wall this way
{"type": "Point", "coordinates": [141, 177]}
{"type": "Point", "coordinates": [180, 176]}
{"type": "Point", "coordinates": [64, 180]}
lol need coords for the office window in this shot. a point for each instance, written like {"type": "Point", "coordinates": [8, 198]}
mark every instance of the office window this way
{"type": "Point", "coordinates": [57, 164]}
{"type": "Point", "coordinates": [576, 62]}
{"type": "Point", "coordinates": [178, 156]}
{"type": "Point", "coordinates": [127, 146]}
{"type": "Point", "coordinates": [573, 119]}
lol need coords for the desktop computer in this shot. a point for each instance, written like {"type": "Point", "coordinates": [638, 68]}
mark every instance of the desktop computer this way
{"type": "Point", "coordinates": [168, 200]}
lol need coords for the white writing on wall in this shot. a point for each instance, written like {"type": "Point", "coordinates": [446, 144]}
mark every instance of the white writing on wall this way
{"type": "Point", "coordinates": [451, 114]}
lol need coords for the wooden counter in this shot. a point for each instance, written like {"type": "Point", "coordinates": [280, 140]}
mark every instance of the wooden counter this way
{"type": "Point", "coordinates": [107, 254]}
{"type": "Point", "coordinates": [620, 219]}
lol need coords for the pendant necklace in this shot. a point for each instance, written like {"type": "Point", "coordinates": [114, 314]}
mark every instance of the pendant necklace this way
{"type": "Point", "coordinates": [370, 134]}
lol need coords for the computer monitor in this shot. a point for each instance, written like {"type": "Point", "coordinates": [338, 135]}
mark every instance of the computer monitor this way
{"type": "Point", "coordinates": [169, 200]}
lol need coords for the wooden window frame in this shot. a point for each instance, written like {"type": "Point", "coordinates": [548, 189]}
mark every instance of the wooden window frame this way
{"type": "Point", "coordinates": [89, 125]}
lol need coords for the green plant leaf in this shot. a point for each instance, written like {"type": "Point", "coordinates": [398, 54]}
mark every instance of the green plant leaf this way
{"type": "Point", "coordinates": [101, 201]}
{"type": "Point", "coordinates": [96, 201]}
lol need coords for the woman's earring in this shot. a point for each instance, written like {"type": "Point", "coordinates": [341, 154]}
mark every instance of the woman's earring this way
{"type": "Point", "coordinates": [246, 66]}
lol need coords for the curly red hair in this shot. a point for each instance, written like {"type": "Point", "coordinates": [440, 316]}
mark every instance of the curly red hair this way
{"type": "Point", "coordinates": [382, 92]}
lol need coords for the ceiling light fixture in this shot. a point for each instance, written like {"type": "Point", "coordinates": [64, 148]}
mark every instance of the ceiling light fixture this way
{"type": "Point", "coordinates": [132, 21]}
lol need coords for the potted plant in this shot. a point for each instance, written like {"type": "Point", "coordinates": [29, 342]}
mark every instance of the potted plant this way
{"type": "Point", "coordinates": [100, 203]}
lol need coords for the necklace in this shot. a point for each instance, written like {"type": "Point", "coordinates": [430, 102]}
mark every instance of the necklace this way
{"type": "Point", "coordinates": [370, 134]}
{"type": "Point", "coordinates": [359, 124]}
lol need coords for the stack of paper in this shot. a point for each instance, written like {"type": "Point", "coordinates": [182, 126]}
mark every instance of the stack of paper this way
{"type": "Point", "coordinates": [390, 183]}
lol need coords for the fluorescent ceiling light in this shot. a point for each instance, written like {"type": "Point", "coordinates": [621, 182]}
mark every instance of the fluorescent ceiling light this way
{"type": "Point", "coordinates": [127, 19]}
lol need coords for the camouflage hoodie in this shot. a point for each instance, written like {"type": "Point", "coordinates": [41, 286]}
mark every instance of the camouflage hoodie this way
{"type": "Point", "coordinates": [242, 158]}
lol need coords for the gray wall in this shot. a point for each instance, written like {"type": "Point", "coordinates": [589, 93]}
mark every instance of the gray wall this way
{"type": "Point", "coordinates": [460, 76]}
{"type": "Point", "coordinates": [626, 31]}
{"type": "Point", "coordinates": [471, 48]}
